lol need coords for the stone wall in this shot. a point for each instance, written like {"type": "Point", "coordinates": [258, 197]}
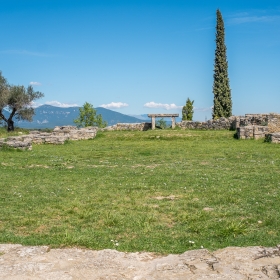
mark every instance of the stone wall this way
{"type": "Point", "coordinates": [273, 137]}
{"type": "Point", "coordinates": [249, 126]}
{"type": "Point", "coordinates": [17, 142]}
{"type": "Point", "coordinates": [257, 126]}
{"type": "Point", "coordinates": [271, 120]}
{"type": "Point", "coordinates": [222, 123]}
{"type": "Point", "coordinates": [251, 131]}
{"type": "Point", "coordinates": [59, 135]}
{"type": "Point", "coordinates": [129, 126]}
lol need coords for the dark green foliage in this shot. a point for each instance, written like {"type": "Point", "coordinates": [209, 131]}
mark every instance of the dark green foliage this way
{"type": "Point", "coordinates": [222, 93]}
{"type": "Point", "coordinates": [88, 117]}
{"type": "Point", "coordinates": [187, 111]}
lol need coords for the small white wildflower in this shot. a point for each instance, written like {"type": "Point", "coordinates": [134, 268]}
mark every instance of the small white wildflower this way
{"type": "Point", "coordinates": [201, 247]}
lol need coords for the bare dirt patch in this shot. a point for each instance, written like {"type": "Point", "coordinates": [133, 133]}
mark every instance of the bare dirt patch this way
{"type": "Point", "coordinates": [170, 197]}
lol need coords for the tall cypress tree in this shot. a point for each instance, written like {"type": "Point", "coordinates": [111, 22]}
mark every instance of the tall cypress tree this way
{"type": "Point", "coordinates": [187, 111]}
{"type": "Point", "coordinates": [222, 93]}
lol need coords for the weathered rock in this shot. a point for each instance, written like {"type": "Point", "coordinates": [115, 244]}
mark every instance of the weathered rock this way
{"type": "Point", "coordinates": [222, 123]}
{"type": "Point", "coordinates": [18, 262]}
{"type": "Point", "coordinates": [251, 131]}
{"type": "Point", "coordinates": [258, 126]}
{"type": "Point", "coordinates": [129, 126]}
{"type": "Point", "coordinates": [59, 135]}
{"type": "Point", "coordinates": [273, 137]}
{"type": "Point", "coordinates": [17, 143]}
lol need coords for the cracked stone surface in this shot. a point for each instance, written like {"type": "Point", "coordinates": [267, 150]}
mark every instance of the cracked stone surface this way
{"type": "Point", "coordinates": [19, 262]}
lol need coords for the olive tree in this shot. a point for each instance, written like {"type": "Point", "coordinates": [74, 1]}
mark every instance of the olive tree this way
{"type": "Point", "coordinates": [17, 101]}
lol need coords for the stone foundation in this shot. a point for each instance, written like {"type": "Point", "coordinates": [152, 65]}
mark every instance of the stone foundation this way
{"type": "Point", "coordinates": [258, 126]}
{"type": "Point", "coordinates": [254, 126]}
{"type": "Point", "coordinates": [273, 137]}
{"type": "Point", "coordinates": [250, 126]}
{"type": "Point", "coordinates": [251, 131]}
{"type": "Point", "coordinates": [222, 123]}
{"type": "Point", "coordinates": [59, 135]}
{"type": "Point", "coordinates": [129, 126]}
{"type": "Point", "coordinates": [17, 142]}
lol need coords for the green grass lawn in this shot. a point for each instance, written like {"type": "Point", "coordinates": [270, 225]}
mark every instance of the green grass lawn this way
{"type": "Point", "coordinates": [164, 191]}
{"type": "Point", "coordinates": [18, 131]}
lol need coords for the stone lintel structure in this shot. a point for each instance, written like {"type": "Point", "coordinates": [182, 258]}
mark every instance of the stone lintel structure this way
{"type": "Point", "coordinates": [154, 116]}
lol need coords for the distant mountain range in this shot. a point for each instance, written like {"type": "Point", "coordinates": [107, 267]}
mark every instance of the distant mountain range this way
{"type": "Point", "coordinates": [47, 116]}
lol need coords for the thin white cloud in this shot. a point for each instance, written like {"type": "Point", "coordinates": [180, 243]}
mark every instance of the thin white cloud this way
{"type": "Point", "coordinates": [115, 105]}
{"type": "Point", "coordinates": [62, 105]}
{"type": "Point", "coordinates": [255, 16]}
{"type": "Point", "coordinates": [35, 84]}
{"type": "Point", "coordinates": [35, 104]}
{"type": "Point", "coordinates": [161, 105]}
{"type": "Point", "coordinates": [25, 52]}
{"type": "Point", "coordinates": [202, 109]}
{"type": "Point", "coordinates": [240, 20]}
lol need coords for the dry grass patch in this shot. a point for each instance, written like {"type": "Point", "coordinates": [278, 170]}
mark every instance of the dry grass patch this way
{"type": "Point", "coordinates": [170, 197]}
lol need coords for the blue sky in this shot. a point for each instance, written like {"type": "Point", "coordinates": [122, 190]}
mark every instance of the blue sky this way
{"type": "Point", "coordinates": [139, 57]}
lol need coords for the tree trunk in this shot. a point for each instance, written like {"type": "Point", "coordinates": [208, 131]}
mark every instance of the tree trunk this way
{"type": "Point", "coordinates": [10, 124]}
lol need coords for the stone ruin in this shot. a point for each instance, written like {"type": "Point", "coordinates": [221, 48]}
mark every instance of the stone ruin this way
{"type": "Point", "coordinates": [221, 123]}
{"type": "Point", "coordinates": [250, 126]}
{"type": "Point", "coordinates": [256, 126]}
{"type": "Point", "coordinates": [129, 126]}
{"type": "Point", "coordinates": [59, 135]}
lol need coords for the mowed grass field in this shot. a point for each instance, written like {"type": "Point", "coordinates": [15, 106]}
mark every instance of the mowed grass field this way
{"type": "Point", "coordinates": [164, 191]}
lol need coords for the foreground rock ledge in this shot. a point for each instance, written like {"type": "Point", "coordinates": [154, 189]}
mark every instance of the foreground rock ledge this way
{"type": "Point", "coordinates": [41, 262]}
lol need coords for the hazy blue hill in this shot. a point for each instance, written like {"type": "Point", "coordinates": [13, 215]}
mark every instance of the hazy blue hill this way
{"type": "Point", "coordinates": [143, 117]}
{"type": "Point", "coordinates": [112, 117]}
{"type": "Point", "coordinates": [48, 116]}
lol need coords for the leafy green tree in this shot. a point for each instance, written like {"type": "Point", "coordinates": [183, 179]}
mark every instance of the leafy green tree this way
{"type": "Point", "coordinates": [88, 117]}
{"type": "Point", "coordinates": [187, 111]}
{"type": "Point", "coordinates": [17, 100]}
{"type": "Point", "coordinates": [222, 93]}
